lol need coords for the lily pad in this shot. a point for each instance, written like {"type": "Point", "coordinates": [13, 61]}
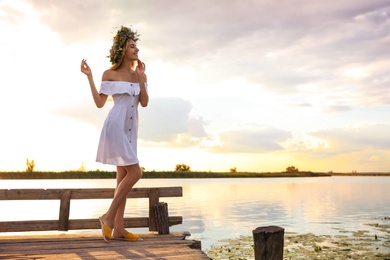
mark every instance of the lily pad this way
{"type": "Point", "coordinates": [360, 244]}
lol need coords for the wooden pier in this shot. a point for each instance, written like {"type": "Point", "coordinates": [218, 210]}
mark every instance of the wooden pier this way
{"type": "Point", "coordinates": [154, 245]}
{"type": "Point", "coordinates": [69, 247]}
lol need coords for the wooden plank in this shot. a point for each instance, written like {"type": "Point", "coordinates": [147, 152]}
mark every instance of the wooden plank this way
{"type": "Point", "coordinates": [75, 224]}
{"type": "Point", "coordinates": [49, 194]}
{"type": "Point", "coordinates": [48, 237]}
{"type": "Point", "coordinates": [153, 200]}
{"type": "Point", "coordinates": [64, 210]}
{"type": "Point", "coordinates": [29, 225]}
{"type": "Point", "coordinates": [30, 194]}
{"type": "Point", "coordinates": [75, 246]}
{"type": "Point", "coordinates": [171, 192]}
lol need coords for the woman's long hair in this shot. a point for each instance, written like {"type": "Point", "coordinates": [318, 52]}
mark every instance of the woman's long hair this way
{"type": "Point", "coordinates": [118, 64]}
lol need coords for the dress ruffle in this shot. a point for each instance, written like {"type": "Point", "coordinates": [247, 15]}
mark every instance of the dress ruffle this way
{"type": "Point", "coordinates": [119, 87]}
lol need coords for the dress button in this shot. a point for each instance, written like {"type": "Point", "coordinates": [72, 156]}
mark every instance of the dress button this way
{"type": "Point", "coordinates": [130, 129]}
{"type": "Point", "coordinates": [131, 117]}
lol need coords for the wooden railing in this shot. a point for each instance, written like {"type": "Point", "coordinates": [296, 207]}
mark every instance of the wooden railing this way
{"type": "Point", "coordinates": [66, 195]}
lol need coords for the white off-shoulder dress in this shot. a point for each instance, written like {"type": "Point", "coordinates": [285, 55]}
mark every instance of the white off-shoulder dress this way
{"type": "Point", "coordinates": [118, 139]}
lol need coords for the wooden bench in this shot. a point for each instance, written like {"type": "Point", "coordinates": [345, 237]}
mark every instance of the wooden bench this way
{"type": "Point", "coordinates": [66, 195]}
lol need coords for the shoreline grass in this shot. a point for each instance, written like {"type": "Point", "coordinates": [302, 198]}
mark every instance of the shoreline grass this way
{"type": "Point", "coordinates": [171, 174]}
{"type": "Point", "coordinates": [153, 175]}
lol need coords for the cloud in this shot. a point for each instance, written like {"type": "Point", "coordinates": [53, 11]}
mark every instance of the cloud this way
{"type": "Point", "coordinates": [85, 112]}
{"type": "Point", "coordinates": [355, 139]}
{"type": "Point", "coordinates": [168, 120]}
{"type": "Point", "coordinates": [336, 109]}
{"type": "Point", "coordinates": [312, 42]}
{"type": "Point", "coordinates": [10, 14]}
{"type": "Point", "coordinates": [251, 140]}
{"type": "Point", "coordinates": [164, 120]}
{"type": "Point", "coordinates": [77, 21]}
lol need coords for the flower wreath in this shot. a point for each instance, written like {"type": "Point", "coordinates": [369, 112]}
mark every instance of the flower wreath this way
{"type": "Point", "coordinates": [123, 34]}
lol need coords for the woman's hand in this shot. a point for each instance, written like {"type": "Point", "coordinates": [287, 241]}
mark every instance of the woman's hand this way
{"type": "Point", "coordinates": [140, 69]}
{"type": "Point", "coordinates": [85, 68]}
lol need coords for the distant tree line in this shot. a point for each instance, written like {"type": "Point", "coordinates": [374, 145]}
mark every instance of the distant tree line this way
{"type": "Point", "coordinates": [292, 169]}
{"type": "Point", "coordinates": [181, 167]}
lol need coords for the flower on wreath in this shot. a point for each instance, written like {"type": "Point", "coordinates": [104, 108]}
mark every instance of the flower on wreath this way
{"type": "Point", "coordinates": [119, 41]}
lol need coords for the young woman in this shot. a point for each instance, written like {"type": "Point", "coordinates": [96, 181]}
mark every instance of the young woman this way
{"type": "Point", "coordinates": [125, 81]}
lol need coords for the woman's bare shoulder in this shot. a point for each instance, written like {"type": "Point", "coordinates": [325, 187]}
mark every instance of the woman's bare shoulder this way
{"type": "Point", "coordinates": [109, 75]}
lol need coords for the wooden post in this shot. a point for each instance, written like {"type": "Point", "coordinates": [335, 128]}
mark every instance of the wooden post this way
{"type": "Point", "coordinates": [63, 220]}
{"type": "Point", "coordinates": [154, 196]}
{"type": "Point", "coordinates": [269, 243]}
{"type": "Point", "coordinates": [162, 219]}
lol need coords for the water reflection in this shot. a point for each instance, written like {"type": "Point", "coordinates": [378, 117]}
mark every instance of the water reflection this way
{"type": "Point", "coordinates": [215, 209]}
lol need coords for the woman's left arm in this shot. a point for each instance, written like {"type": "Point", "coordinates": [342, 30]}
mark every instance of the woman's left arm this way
{"type": "Point", "coordinates": [143, 95]}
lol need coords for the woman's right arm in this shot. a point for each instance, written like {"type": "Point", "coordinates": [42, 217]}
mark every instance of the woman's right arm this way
{"type": "Point", "coordinates": [100, 99]}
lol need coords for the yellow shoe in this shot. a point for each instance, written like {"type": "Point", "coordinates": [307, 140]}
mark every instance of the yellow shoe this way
{"type": "Point", "coordinates": [106, 231]}
{"type": "Point", "coordinates": [129, 237]}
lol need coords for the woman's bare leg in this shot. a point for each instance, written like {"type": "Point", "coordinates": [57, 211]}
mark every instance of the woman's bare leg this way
{"type": "Point", "coordinates": [133, 174]}
{"type": "Point", "coordinates": [119, 226]}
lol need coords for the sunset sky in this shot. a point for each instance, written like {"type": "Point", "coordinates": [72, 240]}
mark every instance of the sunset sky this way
{"type": "Point", "coordinates": [254, 84]}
